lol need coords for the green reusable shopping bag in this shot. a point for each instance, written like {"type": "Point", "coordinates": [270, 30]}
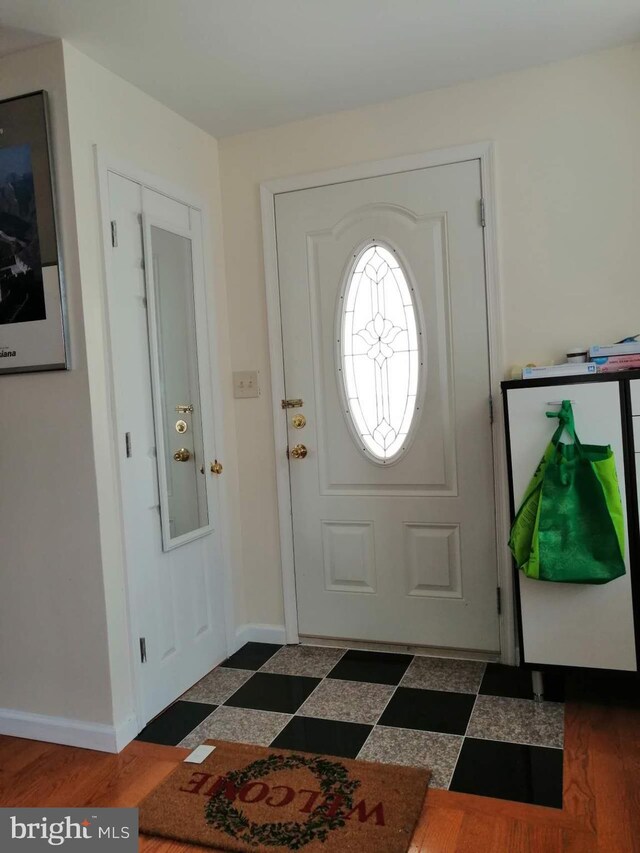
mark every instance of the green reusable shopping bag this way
{"type": "Point", "coordinates": [570, 526]}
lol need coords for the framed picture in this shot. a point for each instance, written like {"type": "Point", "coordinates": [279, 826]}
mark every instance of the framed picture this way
{"type": "Point", "coordinates": [32, 315]}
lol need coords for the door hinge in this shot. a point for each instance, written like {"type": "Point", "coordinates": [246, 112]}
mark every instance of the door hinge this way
{"type": "Point", "coordinates": [127, 444]}
{"type": "Point", "coordinates": [114, 233]}
{"type": "Point", "coordinates": [288, 456]}
{"type": "Point", "coordinates": [491, 416]}
{"type": "Point", "coordinates": [499, 599]}
{"type": "Point", "coordinates": [143, 649]}
{"type": "Point", "coordinates": [291, 404]}
{"type": "Point", "coordinates": [483, 220]}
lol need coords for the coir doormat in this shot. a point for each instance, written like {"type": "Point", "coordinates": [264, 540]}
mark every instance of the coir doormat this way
{"type": "Point", "coordinates": [248, 798]}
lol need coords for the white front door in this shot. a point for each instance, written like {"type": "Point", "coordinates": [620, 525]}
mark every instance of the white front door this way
{"type": "Point", "coordinates": [163, 402]}
{"type": "Point", "coordinates": [384, 324]}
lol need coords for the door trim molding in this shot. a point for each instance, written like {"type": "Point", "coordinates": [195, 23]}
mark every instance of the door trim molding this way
{"type": "Point", "coordinates": [484, 152]}
{"type": "Point", "coordinates": [105, 163]}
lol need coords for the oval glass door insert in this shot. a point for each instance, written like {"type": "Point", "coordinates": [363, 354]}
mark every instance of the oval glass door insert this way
{"type": "Point", "coordinates": [380, 354]}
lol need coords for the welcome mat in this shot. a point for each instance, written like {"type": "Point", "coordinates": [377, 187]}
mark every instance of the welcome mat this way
{"type": "Point", "coordinates": [248, 798]}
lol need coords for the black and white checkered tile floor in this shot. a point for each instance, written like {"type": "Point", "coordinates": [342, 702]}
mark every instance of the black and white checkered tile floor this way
{"type": "Point", "coordinates": [474, 724]}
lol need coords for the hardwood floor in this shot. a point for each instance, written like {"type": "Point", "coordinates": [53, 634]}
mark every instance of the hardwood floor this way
{"type": "Point", "coordinates": [601, 811]}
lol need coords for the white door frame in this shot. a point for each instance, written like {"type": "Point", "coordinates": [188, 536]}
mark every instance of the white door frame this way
{"type": "Point", "coordinates": [105, 164]}
{"type": "Point", "coordinates": [484, 152]}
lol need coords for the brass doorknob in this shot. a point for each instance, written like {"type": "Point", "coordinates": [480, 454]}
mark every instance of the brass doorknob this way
{"type": "Point", "coordinates": [216, 467]}
{"type": "Point", "coordinates": [182, 455]}
{"type": "Point", "coordinates": [299, 451]}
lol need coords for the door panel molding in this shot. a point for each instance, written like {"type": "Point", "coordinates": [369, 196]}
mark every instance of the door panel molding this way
{"type": "Point", "coordinates": [442, 483]}
{"type": "Point", "coordinates": [423, 540]}
{"type": "Point", "coordinates": [484, 152]}
{"type": "Point", "coordinates": [358, 553]}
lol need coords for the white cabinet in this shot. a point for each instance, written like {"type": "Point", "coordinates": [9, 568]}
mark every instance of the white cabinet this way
{"type": "Point", "coordinates": [578, 625]}
{"type": "Point", "coordinates": [634, 396]}
{"type": "Point", "coordinates": [634, 385]}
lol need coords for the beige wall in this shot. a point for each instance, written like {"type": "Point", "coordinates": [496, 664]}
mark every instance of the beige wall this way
{"type": "Point", "coordinates": [63, 627]}
{"type": "Point", "coordinates": [53, 632]}
{"type": "Point", "coordinates": [130, 126]}
{"type": "Point", "coordinates": [567, 142]}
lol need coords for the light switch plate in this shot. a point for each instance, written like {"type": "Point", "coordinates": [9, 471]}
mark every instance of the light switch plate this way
{"type": "Point", "coordinates": [245, 383]}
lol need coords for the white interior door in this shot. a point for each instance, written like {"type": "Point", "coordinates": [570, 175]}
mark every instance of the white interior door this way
{"type": "Point", "coordinates": [384, 320]}
{"type": "Point", "coordinates": [162, 384]}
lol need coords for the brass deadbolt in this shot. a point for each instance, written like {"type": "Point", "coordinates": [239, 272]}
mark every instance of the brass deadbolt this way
{"type": "Point", "coordinates": [298, 421]}
{"type": "Point", "coordinates": [181, 426]}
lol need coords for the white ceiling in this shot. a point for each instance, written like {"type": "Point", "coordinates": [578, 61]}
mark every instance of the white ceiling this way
{"type": "Point", "coordinates": [236, 65]}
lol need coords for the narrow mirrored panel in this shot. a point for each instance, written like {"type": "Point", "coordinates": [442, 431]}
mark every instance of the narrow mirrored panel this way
{"type": "Point", "coordinates": [178, 412]}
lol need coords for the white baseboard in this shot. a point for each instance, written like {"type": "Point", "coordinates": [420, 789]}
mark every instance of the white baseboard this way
{"type": "Point", "coordinates": [126, 731]}
{"type": "Point", "coordinates": [256, 633]}
{"type": "Point", "coordinates": [99, 736]}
